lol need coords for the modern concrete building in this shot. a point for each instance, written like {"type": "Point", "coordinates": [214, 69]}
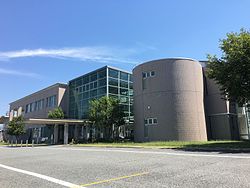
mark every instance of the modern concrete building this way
{"type": "Point", "coordinates": [221, 115]}
{"type": "Point", "coordinates": [74, 99]}
{"type": "Point", "coordinates": [172, 99]}
{"type": "Point", "coordinates": [37, 105]}
{"type": "Point", "coordinates": [175, 100]}
{"type": "Point", "coordinates": [168, 100]}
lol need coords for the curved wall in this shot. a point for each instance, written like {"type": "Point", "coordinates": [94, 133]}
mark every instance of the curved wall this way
{"type": "Point", "coordinates": [172, 94]}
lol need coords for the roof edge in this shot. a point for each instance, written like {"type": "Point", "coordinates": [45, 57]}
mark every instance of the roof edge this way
{"type": "Point", "coordinates": [106, 66]}
{"type": "Point", "coordinates": [44, 89]}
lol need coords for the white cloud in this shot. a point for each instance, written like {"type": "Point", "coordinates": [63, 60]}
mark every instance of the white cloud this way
{"type": "Point", "coordinates": [97, 54]}
{"type": "Point", "coordinates": [18, 73]}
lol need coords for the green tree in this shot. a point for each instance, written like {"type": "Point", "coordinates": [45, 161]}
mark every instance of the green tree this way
{"type": "Point", "coordinates": [57, 113]}
{"type": "Point", "coordinates": [16, 127]}
{"type": "Point", "coordinates": [232, 70]}
{"type": "Point", "coordinates": [106, 114]}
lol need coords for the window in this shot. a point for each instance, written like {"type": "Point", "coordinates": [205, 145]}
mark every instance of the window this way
{"type": "Point", "coordinates": [130, 92]}
{"type": "Point", "coordinates": [87, 87]}
{"type": "Point", "coordinates": [124, 84]}
{"type": "Point", "coordinates": [113, 82]}
{"type": "Point", "coordinates": [29, 107]}
{"type": "Point", "coordinates": [15, 113]}
{"type": "Point", "coordinates": [113, 96]}
{"type": "Point", "coordinates": [123, 76]}
{"type": "Point", "coordinates": [101, 91]}
{"type": "Point", "coordinates": [113, 73]}
{"type": "Point", "coordinates": [93, 77]}
{"type": "Point", "coordinates": [80, 96]}
{"type": "Point", "coordinates": [93, 93]}
{"type": "Point", "coordinates": [95, 84]}
{"type": "Point", "coordinates": [85, 79]}
{"type": "Point", "coordinates": [131, 110]}
{"type": "Point", "coordinates": [102, 74]}
{"type": "Point", "coordinates": [38, 107]}
{"type": "Point", "coordinates": [113, 90]}
{"type": "Point", "coordinates": [130, 85]}
{"type": "Point", "coordinates": [51, 101]}
{"type": "Point", "coordinates": [123, 91]}
{"type": "Point", "coordinates": [124, 99]}
{"type": "Point", "coordinates": [155, 121]}
{"type": "Point", "coordinates": [33, 107]}
{"type": "Point", "coordinates": [148, 74]}
{"type": "Point", "coordinates": [91, 85]}
{"type": "Point", "coordinates": [125, 107]}
{"type": "Point", "coordinates": [26, 108]}
{"type": "Point", "coordinates": [131, 101]}
{"type": "Point", "coordinates": [85, 103]}
{"type": "Point", "coordinates": [42, 103]}
{"type": "Point", "coordinates": [130, 78]}
{"type": "Point", "coordinates": [85, 95]}
{"type": "Point", "coordinates": [150, 121]}
{"type": "Point", "coordinates": [102, 82]}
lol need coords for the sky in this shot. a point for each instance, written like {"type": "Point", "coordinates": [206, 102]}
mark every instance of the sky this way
{"type": "Point", "coordinates": [44, 42]}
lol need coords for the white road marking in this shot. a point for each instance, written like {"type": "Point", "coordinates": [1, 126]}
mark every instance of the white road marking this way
{"type": "Point", "coordinates": [139, 152]}
{"type": "Point", "coordinates": [149, 152]}
{"type": "Point", "coordinates": [54, 180]}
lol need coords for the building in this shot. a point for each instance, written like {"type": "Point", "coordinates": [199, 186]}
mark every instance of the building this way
{"type": "Point", "coordinates": [106, 81]}
{"type": "Point", "coordinates": [168, 100]}
{"type": "Point", "coordinates": [172, 99]}
{"type": "Point", "coordinates": [221, 115]}
{"type": "Point", "coordinates": [37, 105]}
{"type": "Point", "coordinates": [175, 100]}
{"type": "Point", "coordinates": [243, 114]}
{"type": "Point", "coordinates": [74, 99]}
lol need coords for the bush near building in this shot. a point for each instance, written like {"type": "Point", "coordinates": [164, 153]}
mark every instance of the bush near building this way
{"type": "Point", "coordinates": [16, 127]}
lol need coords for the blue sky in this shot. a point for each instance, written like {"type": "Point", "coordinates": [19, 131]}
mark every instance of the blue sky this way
{"type": "Point", "coordinates": [43, 42]}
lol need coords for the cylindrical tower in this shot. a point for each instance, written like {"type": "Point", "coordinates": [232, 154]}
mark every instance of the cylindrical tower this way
{"type": "Point", "coordinates": [168, 100]}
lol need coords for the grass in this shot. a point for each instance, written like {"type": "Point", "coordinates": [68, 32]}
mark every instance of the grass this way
{"type": "Point", "coordinates": [176, 144]}
{"type": "Point", "coordinates": [163, 144]}
{"type": "Point", "coordinates": [19, 145]}
{"type": "Point", "coordinates": [3, 143]}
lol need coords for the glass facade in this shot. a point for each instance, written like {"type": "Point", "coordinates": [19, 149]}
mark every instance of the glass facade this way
{"type": "Point", "coordinates": [244, 121]}
{"type": "Point", "coordinates": [106, 81]}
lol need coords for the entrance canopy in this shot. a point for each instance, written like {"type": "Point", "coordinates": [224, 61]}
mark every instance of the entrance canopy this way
{"type": "Point", "coordinates": [56, 121]}
{"type": "Point", "coordinates": [34, 122]}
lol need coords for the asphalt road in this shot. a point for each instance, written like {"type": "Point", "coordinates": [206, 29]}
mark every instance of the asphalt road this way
{"type": "Point", "coordinates": [60, 166]}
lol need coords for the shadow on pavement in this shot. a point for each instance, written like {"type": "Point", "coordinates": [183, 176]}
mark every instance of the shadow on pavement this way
{"type": "Point", "coordinates": [230, 147]}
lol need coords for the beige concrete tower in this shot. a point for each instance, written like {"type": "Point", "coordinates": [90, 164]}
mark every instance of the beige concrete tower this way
{"type": "Point", "coordinates": [168, 100]}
